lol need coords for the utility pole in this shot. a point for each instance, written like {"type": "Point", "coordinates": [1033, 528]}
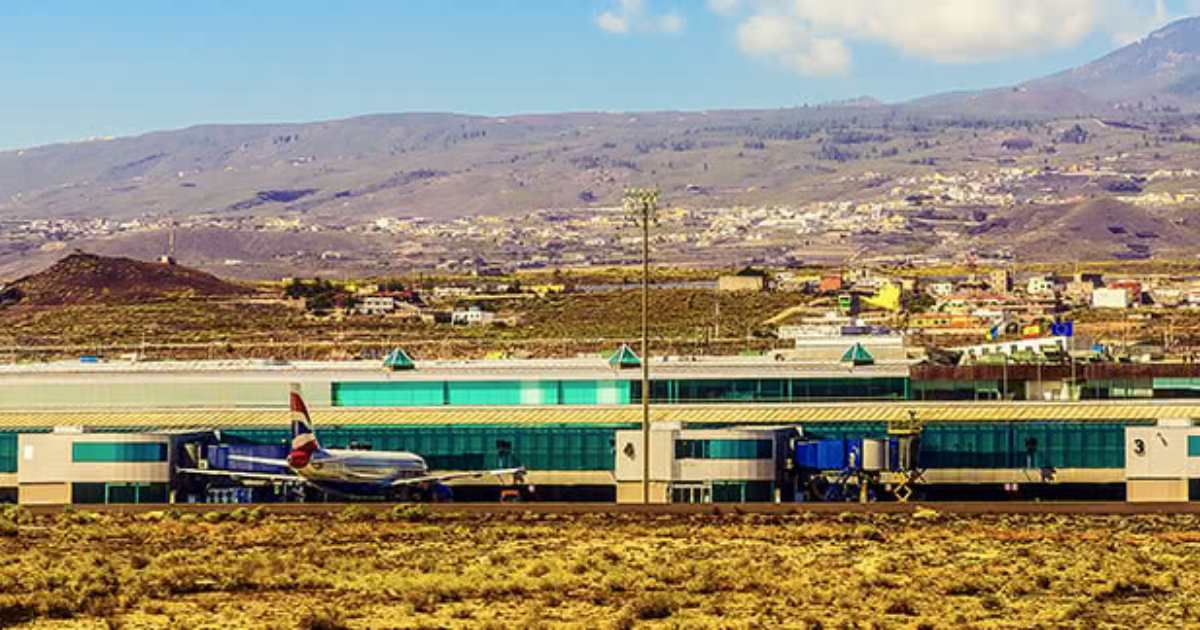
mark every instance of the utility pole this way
{"type": "Point", "coordinates": [641, 206]}
{"type": "Point", "coordinates": [717, 316]}
{"type": "Point", "coordinates": [1004, 391]}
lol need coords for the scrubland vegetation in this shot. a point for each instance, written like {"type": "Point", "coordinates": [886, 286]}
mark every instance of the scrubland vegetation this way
{"type": "Point", "coordinates": [556, 325]}
{"type": "Point", "coordinates": [410, 568]}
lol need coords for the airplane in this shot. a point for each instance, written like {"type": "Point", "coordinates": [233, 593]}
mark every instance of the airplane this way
{"type": "Point", "coordinates": [349, 473]}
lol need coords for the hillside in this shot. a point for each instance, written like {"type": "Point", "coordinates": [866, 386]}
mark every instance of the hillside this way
{"type": "Point", "coordinates": [1159, 73]}
{"type": "Point", "coordinates": [1163, 69]}
{"type": "Point", "coordinates": [1094, 229]}
{"type": "Point", "coordinates": [438, 166]}
{"type": "Point", "coordinates": [82, 278]}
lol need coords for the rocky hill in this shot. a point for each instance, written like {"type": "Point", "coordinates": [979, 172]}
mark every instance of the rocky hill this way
{"type": "Point", "coordinates": [82, 278]}
{"type": "Point", "coordinates": [1094, 229]}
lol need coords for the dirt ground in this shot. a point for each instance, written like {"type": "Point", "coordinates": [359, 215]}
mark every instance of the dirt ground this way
{"type": "Point", "coordinates": [411, 569]}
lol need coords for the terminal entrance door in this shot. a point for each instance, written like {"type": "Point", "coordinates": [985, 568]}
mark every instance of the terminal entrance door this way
{"type": "Point", "coordinates": [691, 493]}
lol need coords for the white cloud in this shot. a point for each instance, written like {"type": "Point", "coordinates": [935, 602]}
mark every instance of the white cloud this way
{"type": "Point", "coordinates": [729, 7]}
{"type": "Point", "coordinates": [955, 31]}
{"type": "Point", "coordinates": [612, 23]}
{"type": "Point", "coordinates": [670, 23]}
{"type": "Point", "coordinates": [631, 15]}
{"type": "Point", "coordinates": [789, 43]}
{"type": "Point", "coordinates": [812, 36]}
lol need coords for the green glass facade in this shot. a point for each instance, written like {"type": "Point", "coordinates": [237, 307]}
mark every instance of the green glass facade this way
{"type": "Point", "coordinates": [89, 492]}
{"type": "Point", "coordinates": [743, 491]}
{"type": "Point", "coordinates": [945, 389]}
{"type": "Point", "coordinates": [1176, 387]}
{"type": "Point", "coordinates": [119, 493]}
{"type": "Point", "coordinates": [772, 390]}
{"type": "Point", "coordinates": [739, 390]}
{"type": "Point", "coordinates": [723, 491]}
{"type": "Point", "coordinates": [837, 430]}
{"type": "Point", "coordinates": [590, 447]}
{"type": "Point", "coordinates": [724, 449]}
{"type": "Point", "coordinates": [1134, 388]}
{"type": "Point", "coordinates": [1004, 444]}
{"type": "Point", "coordinates": [579, 448]}
{"type": "Point", "coordinates": [1024, 445]}
{"type": "Point", "coordinates": [614, 392]}
{"type": "Point", "coordinates": [109, 452]}
{"type": "Point", "coordinates": [507, 393]}
{"type": "Point", "coordinates": [1123, 388]}
{"type": "Point", "coordinates": [8, 452]}
{"type": "Point", "coordinates": [465, 447]}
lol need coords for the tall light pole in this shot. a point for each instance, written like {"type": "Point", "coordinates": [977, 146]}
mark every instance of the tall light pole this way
{"type": "Point", "coordinates": [641, 206]}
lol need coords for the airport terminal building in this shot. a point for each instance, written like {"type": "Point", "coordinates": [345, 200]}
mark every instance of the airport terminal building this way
{"type": "Point", "coordinates": [108, 432]}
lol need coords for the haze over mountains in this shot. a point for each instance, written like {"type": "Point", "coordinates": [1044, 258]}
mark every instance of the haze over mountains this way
{"type": "Point", "coordinates": [446, 165]}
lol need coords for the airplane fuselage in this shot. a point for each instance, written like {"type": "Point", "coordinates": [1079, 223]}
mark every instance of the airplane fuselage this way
{"type": "Point", "coordinates": [347, 472]}
{"type": "Point", "coordinates": [360, 473]}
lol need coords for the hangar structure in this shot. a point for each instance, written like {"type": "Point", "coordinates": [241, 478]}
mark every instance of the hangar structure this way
{"type": "Point", "coordinates": [562, 416]}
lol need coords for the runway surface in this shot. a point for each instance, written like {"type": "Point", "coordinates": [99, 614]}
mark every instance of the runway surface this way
{"type": "Point", "coordinates": [949, 507]}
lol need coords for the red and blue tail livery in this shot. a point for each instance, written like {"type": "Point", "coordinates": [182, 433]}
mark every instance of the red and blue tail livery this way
{"type": "Point", "coordinates": [304, 440]}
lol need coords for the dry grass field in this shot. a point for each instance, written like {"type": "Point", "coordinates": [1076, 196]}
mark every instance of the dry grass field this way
{"type": "Point", "coordinates": [406, 568]}
{"type": "Point", "coordinates": [558, 325]}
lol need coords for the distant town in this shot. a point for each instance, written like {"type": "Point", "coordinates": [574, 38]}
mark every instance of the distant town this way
{"type": "Point", "coordinates": [932, 309]}
{"type": "Point", "coordinates": [883, 224]}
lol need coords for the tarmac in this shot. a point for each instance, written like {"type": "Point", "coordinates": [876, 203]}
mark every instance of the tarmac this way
{"type": "Point", "coordinates": [682, 509]}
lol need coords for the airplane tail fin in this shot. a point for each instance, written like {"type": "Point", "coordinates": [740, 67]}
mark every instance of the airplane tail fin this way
{"type": "Point", "coordinates": [303, 437]}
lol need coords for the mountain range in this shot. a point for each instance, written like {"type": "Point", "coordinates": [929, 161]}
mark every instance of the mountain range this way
{"type": "Point", "coordinates": [1160, 72]}
{"type": "Point", "coordinates": [450, 165]}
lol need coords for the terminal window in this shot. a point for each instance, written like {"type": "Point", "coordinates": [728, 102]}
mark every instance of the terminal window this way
{"type": "Point", "coordinates": [119, 493]}
{"type": "Point", "coordinates": [87, 452]}
{"type": "Point", "coordinates": [724, 449]}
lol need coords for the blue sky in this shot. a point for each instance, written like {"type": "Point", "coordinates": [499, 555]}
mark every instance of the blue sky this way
{"type": "Point", "coordinates": [74, 69]}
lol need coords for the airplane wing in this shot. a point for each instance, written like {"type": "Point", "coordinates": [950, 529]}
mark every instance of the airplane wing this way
{"type": "Point", "coordinates": [407, 481]}
{"type": "Point", "coordinates": [237, 474]}
{"type": "Point", "coordinates": [267, 461]}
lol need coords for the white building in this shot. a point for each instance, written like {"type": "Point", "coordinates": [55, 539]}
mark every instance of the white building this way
{"type": "Point", "coordinates": [1039, 344]}
{"type": "Point", "coordinates": [1161, 460]}
{"type": "Point", "coordinates": [473, 316]}
{"type": "Point", "coordinates": [1040, 285]}
{"type": "Point", "coordinates": [70, 465]}
{"type": "Point", "coordinates": [1110, 298]}
{"type": "Point", "coordinates": [377, 305]}
{"type": "Point", "coordinates": [451, 292]}
{"type": "Point", "coordinates": [940, 289]}
{"type": "Point", "coordinates": [701, 466]}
